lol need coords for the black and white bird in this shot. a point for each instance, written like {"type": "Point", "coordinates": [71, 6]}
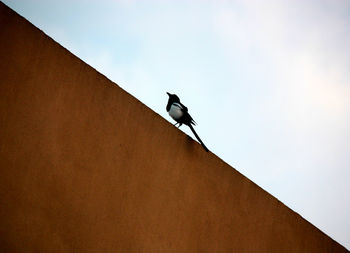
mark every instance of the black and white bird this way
{"type": "Point", "coordinates": [180, 114]}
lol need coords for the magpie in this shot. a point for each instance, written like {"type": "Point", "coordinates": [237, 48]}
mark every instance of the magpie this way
{"type": "Point", "coordinates": [179, 113]}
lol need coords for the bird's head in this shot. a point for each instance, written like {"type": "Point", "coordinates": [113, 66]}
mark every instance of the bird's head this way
{"type": "Point", "coordinates": [173, 98]}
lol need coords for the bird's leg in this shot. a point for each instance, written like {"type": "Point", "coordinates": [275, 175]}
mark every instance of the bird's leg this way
{"type": "Point", "coordinates": [180, 124]}
{"type": "Point", "coordinates": [176, 123]}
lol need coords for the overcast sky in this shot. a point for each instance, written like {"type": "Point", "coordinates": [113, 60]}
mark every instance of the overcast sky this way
{"type": "Point", "coordinates": [268, 83]}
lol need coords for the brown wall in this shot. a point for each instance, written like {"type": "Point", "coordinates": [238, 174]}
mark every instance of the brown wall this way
{"type": "Point", "coordinates": [86, 167]}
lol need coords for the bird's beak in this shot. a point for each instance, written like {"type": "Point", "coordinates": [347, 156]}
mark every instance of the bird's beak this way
{"type": "Point", "coordinates": [168, 93]}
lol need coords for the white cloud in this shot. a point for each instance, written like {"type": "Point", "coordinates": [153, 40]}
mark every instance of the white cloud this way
{"type": "Point", "coordinates": [303, 47]}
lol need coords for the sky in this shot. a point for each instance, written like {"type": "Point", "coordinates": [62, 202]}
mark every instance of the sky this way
{"type": "Point", "coordinates": [268, 83]}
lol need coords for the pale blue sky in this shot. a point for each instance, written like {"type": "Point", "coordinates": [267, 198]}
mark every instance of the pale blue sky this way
{"type": "Point", "coordinates": [268, 83]}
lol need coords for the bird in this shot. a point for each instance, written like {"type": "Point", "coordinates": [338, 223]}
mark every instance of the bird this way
{"type": "Point", "coordinates": [179, 113]}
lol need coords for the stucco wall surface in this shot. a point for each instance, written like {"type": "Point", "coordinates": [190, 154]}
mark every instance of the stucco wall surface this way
{"type": "Point", "coordinates": [86, 167]}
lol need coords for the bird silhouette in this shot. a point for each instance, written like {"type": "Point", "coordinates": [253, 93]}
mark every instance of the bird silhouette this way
{"type": "Point", "coordinates": [179, 113]}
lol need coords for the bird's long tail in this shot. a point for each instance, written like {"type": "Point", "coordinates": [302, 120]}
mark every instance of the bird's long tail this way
{"type": "Point", "coordinates": [199, 139]}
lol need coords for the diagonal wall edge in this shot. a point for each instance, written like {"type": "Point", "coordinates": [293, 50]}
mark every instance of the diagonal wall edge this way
{"type": "Point", "coordinates": [85, 167]}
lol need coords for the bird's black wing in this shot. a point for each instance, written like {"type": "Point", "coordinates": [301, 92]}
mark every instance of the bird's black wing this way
{"type": "Point", "coordinates": [183, 107]}
{"type": "Point", "coordinates": [188, 118]}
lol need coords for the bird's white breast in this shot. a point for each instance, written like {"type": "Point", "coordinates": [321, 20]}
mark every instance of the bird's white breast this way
{"type": "Point", "coordinates": [175, 111]}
